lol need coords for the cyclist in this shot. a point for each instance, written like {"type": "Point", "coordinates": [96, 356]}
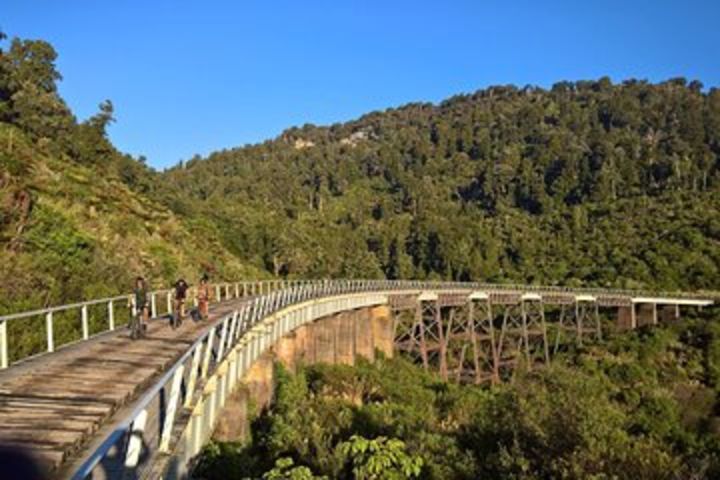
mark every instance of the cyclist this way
{"type": "Point", "coordinates": [179, 305]}
{"type": "Point", "coordinates": [141, 315]}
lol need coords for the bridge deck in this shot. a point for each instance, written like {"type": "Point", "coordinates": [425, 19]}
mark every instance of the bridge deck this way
{"type": "Point", "coordinates": [58, 404]}
{"type": "Point", "coordinates": [53, 404]}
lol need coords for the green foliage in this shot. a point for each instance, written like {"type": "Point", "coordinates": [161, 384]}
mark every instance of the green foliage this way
{"type": "Point", "coordinates": [76, 220]}
{"type": "Point", "coordinates": [563, 424]}
{"type": "Point", "coordinates": [711, 350]}
{"type": "Point", "coordinates": [588, 183]}
{"type": "Point", "coordinates": [380, 459]}
{"type": "Point", "coordinates": [286, 470]}
{"type": "Point", "coordinates": [28, 91]}
{"type": "Point", "coordinates": [229, 460]}
{"type": "Point", "coordinates": [638, 406]}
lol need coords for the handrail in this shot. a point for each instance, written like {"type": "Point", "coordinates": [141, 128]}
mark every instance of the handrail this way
{"type": "Point", "coordinates": [124, 425]}
{"type": "Point", "coordinates": [126, 296]}
{"type": "Point", "coordinates": [220, 291]}
{"type": "Point", "coordinates": [426, 284]}
{"type": "Point", "coordinates": [238, 323]}
{"type": "Point", "coordinates": [229, 290]}
{"type": "Point", "coordinates": [69, 306]}
{"type": "Point", "coordinates": [235, 341]}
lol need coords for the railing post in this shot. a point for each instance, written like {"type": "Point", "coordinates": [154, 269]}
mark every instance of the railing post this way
{"type": "Point", "coordinates": [85, 329]}
{"type": "Point", "coordinates": [284, 298]}
{"type": "Point", "coordinates": [271, 303]}
{"type": "Point", "coordinates": [237, 290]}
{"type": "Point", "coordinates": [153, 306]}
{"type": "Point", "coordinates": [217, 293]}
{"type": "Point", "coordinates": [194, 366]}
{"type": "Point", "coordinates": [111, 315]}
{"type": "Point", "coordinates": [135, 444]}
{"type": "Point", "coordinates": [264, 306]}
{"type": "Point", "coordinates": [49, 330]}
{"type": "Point", "coordinates": [247, 318]}
{"type": "Point", "coordinates": [208, 354]}
{"type": "Point", "coordinates": [169, 302]}
{"type": "Point", "coordinates": [171, 409]}
{"type": "Point", "coordinates": [223, 336]}
{"type": "Point", "coordinates": [233, 326]}
{"type": "Point", "coordinates": [3, 344]}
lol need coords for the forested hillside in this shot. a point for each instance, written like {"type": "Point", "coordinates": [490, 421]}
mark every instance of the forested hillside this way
{"type": "Point", "coordinates": [641, 405]}
{"type": "Point", "coordinates": [75, 221]}
{"type": "Point", "coordinates": [585, 183]}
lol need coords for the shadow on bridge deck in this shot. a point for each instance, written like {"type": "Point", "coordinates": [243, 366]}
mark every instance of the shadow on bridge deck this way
{"type": "Point", "coordinates": [54, 404]}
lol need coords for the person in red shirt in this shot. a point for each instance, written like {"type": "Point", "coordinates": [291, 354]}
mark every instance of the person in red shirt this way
{"type": "Point", "coordinates": [203, 297]}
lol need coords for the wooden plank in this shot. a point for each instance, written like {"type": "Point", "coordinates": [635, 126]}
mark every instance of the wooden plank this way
{"type": "Point", "coordinates": [53, 437]}
{"type": "Point", "coordinates": [56, 403]}
{"type": "Point", "coordinates": [65, 408]}
{"type": "Point", "coordinates": [14, 424]}
{"type": "Point", "coordinates": [41, 402]}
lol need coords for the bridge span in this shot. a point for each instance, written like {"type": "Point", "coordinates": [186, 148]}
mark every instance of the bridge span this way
{"type": "Point", "coordinates": [102, 406]}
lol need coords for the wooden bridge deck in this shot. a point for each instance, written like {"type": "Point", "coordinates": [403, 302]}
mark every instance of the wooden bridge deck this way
{"type": "Point", "coordinates": [58, 405]}
{"type": "Point", "coordinates": [53, 404]}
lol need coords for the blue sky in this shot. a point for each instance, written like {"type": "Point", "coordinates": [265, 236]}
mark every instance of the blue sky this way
{"type": "Point", "coordinates": [193, 77]}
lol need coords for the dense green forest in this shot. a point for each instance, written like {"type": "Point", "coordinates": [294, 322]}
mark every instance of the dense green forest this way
{"type": "Point", "coordinates": [643, 405]}
{"type": "Point", "coordinates": [586, 183]}
{"type": "Point", "coordinates": [70, 225]}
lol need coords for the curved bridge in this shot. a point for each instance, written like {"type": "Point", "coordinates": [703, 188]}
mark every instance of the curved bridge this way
{"type": "Point", "coordinates": [102, 406]}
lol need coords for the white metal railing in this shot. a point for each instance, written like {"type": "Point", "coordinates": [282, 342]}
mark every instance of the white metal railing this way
{"type": "Point", "coordinates": [184, 384]}
{"type": "Point", "coordinates": [85, 320]}
{"type": "Point", "coordinates": [104, 312]}
{"type": "Point", "coordinates": [173, 420]}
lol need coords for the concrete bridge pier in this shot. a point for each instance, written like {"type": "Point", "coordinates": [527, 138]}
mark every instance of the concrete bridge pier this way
{"type": "Point", "coordinates": [646, 314]}
{"type": "Point", "coordinates": [336, 339]}
{"type": "Point", "coordinates": [153, 421]}
{"type": "Point", "coordinates": [668, 313]}
{"type": "Point", "coordinates": [626, 317]}
{"type": "Point", "coordinates": [639, 314]}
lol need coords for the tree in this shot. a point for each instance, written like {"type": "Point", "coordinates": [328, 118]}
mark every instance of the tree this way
{"type": "Point", "coordinates": [28, 89]}
{"type": "Point", "coordinates": [380, 459]}
{"type": "Point", "coordinates": [285, 469]}
{"type": "Point", "coordinates": [31, 62]}
{"type": "Point", "coordinates": [91, 144]}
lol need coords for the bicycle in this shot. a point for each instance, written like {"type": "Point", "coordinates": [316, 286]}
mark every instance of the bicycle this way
{"type": "Point", "coordinates": [176, 318]}
{"type": "Point", "coordinates": [137, 325]}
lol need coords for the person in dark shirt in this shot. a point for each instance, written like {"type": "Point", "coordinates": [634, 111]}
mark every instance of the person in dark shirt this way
{"type": "Point", "coordinates": [141, 315]}
{"type": "Point", "coordinates": [181, 288]}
